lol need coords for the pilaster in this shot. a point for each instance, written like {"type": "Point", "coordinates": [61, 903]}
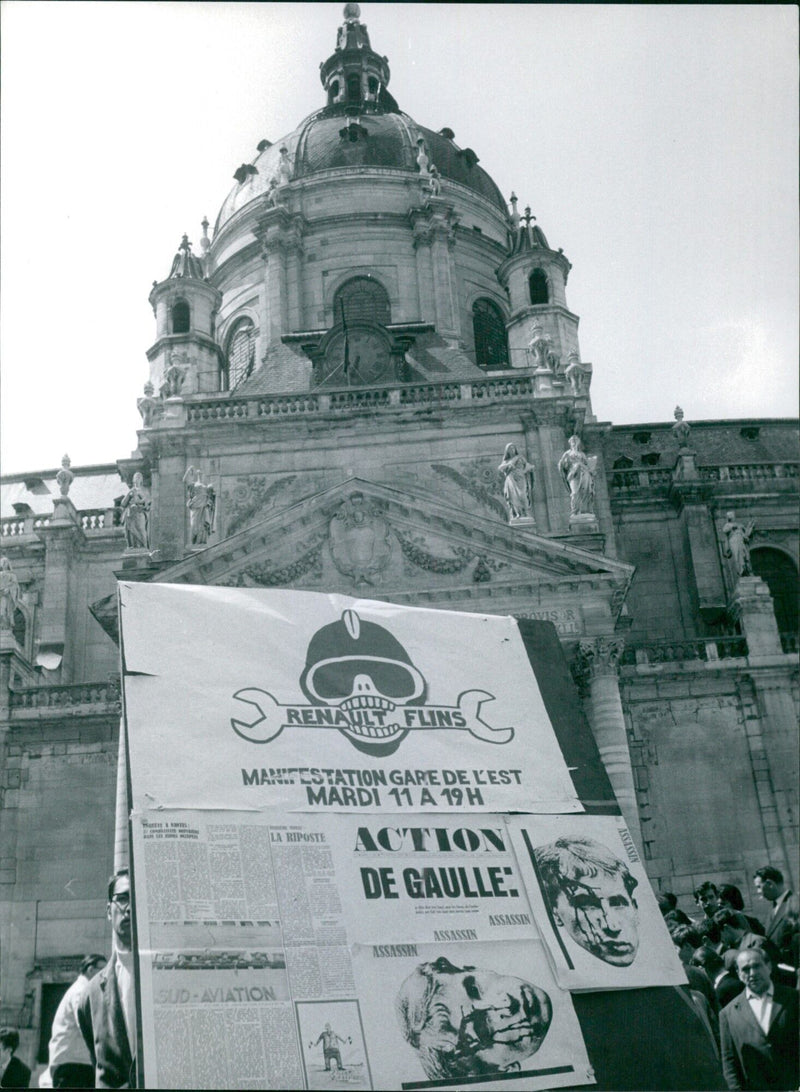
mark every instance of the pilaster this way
{"type": "Point", "coordinates": [62, 539]}
{"type": "Point", "coordinates": [434, 229]}
{"type": "Point", "coordinates": [691, 497]}
{"type": "Point", "coordinates": [752, 607]}
{"type": "Point", "coordinates": [598, 669]}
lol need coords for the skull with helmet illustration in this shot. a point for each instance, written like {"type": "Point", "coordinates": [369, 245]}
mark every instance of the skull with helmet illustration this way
{"type": "Point", "coordinates": [359, 668]}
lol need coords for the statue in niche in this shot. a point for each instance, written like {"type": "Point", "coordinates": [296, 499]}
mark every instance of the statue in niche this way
{"type": "Point", "coordinates": [518, 475]}
{"type": "Point", "coordinates": [65, 477]}
{"type": "Point", "coordinates": [578, 472]}
{"type": "Point", "coordinates": [135, 515]}
{"type": "Point", "coordinates": [9, 594]}
{"type": "Point", "coordinates": [201, 500]}
{"type": "Point", "coordinates": [681, 428]}
{"type": "Point", "coordinates": [148, 405]}
{"type": "Point", "coordinates": [737, 544]}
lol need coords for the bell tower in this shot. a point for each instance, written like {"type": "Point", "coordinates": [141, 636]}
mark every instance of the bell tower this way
{"type": "Point", "coordinates": [185, 358]}
{"type": "Point", "coordinates": [542, 331]}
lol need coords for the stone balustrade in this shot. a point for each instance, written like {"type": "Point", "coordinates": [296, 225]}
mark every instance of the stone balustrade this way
{"type": "Point", "coordinates": [91, 519]}
{"type": "Point", "coordinates": [64, 697]}
{"type": "Point", "coordinates": [658, 480]}
{"type": "Point", "coordinates": [699, 649]}
{"type": "Point", "coordinates": [354, 399]}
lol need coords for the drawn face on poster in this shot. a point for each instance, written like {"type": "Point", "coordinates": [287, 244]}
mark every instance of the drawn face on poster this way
{"type": "Point", "coordinates": [469, 1021]}
{"type": "Point", "coordinates": [592, 897]}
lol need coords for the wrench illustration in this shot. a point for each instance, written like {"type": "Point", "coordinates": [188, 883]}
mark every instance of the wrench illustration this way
{"type": "Point", "coordinates": [268, 718]}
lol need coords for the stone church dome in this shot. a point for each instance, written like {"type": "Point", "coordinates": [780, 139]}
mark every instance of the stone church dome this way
{"type": "Point", "coordinates": [361, 126]}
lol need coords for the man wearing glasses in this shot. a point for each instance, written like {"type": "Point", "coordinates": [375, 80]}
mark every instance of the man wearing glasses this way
{"type": "Point", "coordinates": [107, 1010]}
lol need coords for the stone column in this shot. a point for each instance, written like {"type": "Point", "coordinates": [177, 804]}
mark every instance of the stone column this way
{"type": "Point", "coordinates": [550, 430]}
{"type": "Point", "coordinates": [598, 660]}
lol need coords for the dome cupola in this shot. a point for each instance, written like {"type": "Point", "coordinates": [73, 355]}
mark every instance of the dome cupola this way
{"type": "Point", "coordinates": [354, 74]}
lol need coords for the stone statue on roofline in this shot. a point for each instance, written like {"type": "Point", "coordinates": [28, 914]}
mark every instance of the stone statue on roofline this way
{"type": "Point", "coordinates": [9, 594]}
{"type": "Point", "coordinates": [737, 544]}
{"type": "Point", "coordinates": [422, 158]}
{"type": "Point", "coordinates": [65, 477]}
{"type": "Point", "coordinates": [681, 428]}
{"type": "Point", "coordinates": [574, 372]}
{"type": "Point", "coordinates": [135, 507]}
{"type": "Point", "coordinates": [518, 478]}
{"type": "Point", "coordinates": [148, 405]}
{"type": "Point", "coordinates": [578, 471]}
{"type": "Point", "coordinates": [201, 500]}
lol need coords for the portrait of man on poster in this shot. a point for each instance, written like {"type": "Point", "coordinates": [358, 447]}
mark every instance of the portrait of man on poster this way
{"type": "Point", "coordinates": [468, 1022]}
{"type": "Point", "coordinates": [590, 893]}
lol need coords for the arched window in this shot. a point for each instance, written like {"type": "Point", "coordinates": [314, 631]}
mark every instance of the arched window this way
{"type": "Point", "coordinates": [181, 317]}
{"type": "Point", "coordinates": [365, 300]}
{"type": "Point", "coordinates": [537, 285]}
{"type": "Point", "coordinates": [333, 91]}
{"type": "Point", "coordinates": [354, 88]}
{"type": "Point", "coordinates": [241, 355]}
{"type": "Point", "coordinates": [489, 328]}
{"type": "Point", "coordinates": [780, 576]}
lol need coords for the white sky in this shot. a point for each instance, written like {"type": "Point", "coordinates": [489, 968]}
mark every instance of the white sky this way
{"type": "Point", "coordinates": [657, 145]}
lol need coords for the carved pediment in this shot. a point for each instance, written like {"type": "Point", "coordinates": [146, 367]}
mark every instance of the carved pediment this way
{"type": "Point", "coordinates": [369, 539]}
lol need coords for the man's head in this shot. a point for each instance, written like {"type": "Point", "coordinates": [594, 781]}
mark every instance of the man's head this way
{"type": "Point", "coordinates": [9, 1041]}
{"type": "Point", "coordinates": [707, 897]}
{"type": "Point", "coordinates": [754, 969]}
{"type": "Point", "coordinates": [92, 964]}
{"type": "Point", "coordinates": [730, 895]}
{"type": "Point", "coordinates": [727, 928]}
{"type": "Point", "coordinates": [119, 909]}
{"type": "Point", "coordinates": [687, 940]}
{"type": "Point", "coordinates": [666, 902]}
{"type": "Point", "coordinates": [768, 883]}
{"type": "Point", "coordinates": [464, 1021]}
{"type": "Point", "coordinates": [590, 892]}
{"type": "Point", "coordinates": [707, 959]}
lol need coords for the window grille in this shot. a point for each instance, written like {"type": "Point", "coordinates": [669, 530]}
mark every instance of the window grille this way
{"type": "Point", "coordinates": [489, 328]}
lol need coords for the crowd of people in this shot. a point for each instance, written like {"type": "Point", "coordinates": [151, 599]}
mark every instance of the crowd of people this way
{"type": "Point", "coordinates": [743, 977]}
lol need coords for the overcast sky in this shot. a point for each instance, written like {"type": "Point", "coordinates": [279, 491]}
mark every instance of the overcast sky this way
{"type": "Point", "coordinates": [657, 145]}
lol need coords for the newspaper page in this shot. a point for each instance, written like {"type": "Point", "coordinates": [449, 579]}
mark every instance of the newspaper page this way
{"type": "Point", "coordinates": [430, 879]}
{"type": "Point", "coordinates": [265, 962]}
{"type": "Point", "coordinates": [240, 698]}
{"type": "Point", "coordinates": [593, 903]}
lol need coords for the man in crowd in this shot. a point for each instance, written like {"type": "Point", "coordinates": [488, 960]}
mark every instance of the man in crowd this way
{"type": "Point", "coordinates": [707, 898]}
{"type": "Point", "coordinates": [726, 929]}
{"type": "Point", "coordinates": [69, 1060]}
{"type": "Point", "coordinates": [107, 1009]}
{"type": "Point", "coordinates": [759, 1029]}
{"type": "Point", "coordinates": [731, 896]}
{"type": "Point", "coordinates": [467, 1022]}
{"type": "Point", "coordinates": [783, 924]}
{"type": "Point", "coordinates": [13, 1072]}
{"type": "Point", "coordinates": [726, 984]}
{"type": "Point", "coordinates": [590, 892]}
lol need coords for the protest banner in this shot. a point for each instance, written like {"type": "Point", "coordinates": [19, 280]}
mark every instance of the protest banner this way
{"type": "Point", "coordinates": [305, 701]}
{"type": "Point", "coordinates": [290, 911]}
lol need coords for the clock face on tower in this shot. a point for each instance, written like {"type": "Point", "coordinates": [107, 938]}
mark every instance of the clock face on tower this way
{"type": "Point", "coordinates": [369, 358]}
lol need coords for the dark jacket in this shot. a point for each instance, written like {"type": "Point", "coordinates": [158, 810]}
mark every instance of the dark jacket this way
{"type": "Point", "coordinates": [782, 929]}
{"type": "Point", "coordinates": [753, 1060]}
{"type": "Point", "coordinates": [102, 1023]}
{"type": "Point", "coordinates": [16, 1074]}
